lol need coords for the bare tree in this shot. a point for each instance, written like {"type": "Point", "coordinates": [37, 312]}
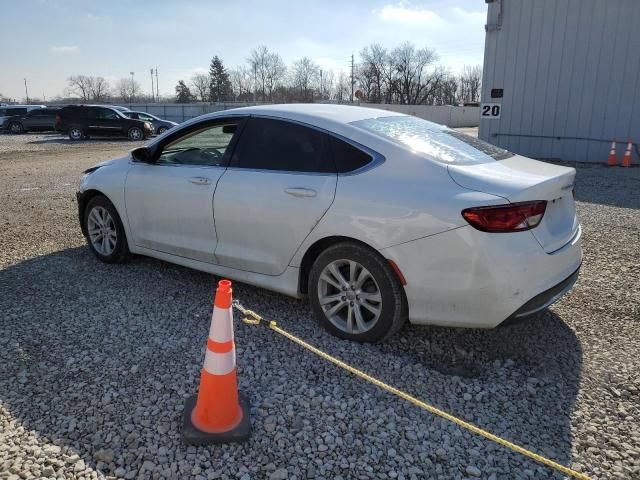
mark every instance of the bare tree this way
{"type": "Point", "coordinates": [275, 72]}
{"type": "Point", "coordinates": [79, 85]}
{"type": "Point", "coordinates": [241, 80]}
{"type": "Point", "coordinates": [470, 81]}
{"type": "Point", "coordinates": [200, 84]}
{"type": "Point", "coordinates": [127, 88]}
{"type": "Point", "coordinates": [343, 88]}
{"type": "Point", "coordinates": [258, 60]}
{"type": "Point", "coordinates": [305, 76]}
{"type": "Point", "coordinates": [414, 84]}
{"type": "Point", "coordinates": [98, 89]}
{"type": "Point", "coordinates": [375, 59]}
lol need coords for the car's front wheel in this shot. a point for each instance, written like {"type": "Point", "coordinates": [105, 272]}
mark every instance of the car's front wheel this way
{"type": "Point", "coordinates": [104, 231]}
{"type": "Point", "coordinates": [161, 130]}
{"type": "Point", "coordinates": [355, 294]}
{"type": "Point", "coordinates": [135, 134]}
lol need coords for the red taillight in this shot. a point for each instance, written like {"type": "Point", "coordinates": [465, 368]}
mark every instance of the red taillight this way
{"type": "Point", "coordinates": [58, 120]}
{"type": "Point", "coordinates": [515, 217]}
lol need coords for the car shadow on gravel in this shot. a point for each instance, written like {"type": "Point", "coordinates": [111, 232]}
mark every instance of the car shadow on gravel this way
{"type": "Point", "coordinates": [97, 359]}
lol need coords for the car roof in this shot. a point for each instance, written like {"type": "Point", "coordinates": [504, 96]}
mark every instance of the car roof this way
{"type": "Point", "coordinates": [314, 112]}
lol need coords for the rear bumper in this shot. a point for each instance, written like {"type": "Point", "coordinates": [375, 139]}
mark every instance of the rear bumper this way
{"type": "Point", "coordinates": [468, 278]}
{"type": "Point", "coordinates": [543, 300]}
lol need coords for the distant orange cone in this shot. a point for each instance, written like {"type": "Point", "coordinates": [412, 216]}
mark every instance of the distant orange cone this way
{"type": "Point", "coordinates": [613, 159]}
{"type": "Point", "coordinates": [626, 159]}
{"type": "Point", "coordinates": [218, 414]}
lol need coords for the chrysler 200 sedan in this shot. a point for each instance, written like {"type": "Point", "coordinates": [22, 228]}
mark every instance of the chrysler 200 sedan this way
{"type": "Point", "coordinates": [375, 216]}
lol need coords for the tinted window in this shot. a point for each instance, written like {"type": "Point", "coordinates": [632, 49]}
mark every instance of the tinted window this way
{"type": "Point", "coordinates": [107, 114]}
{"type": "Point", "coordinates": [144, 117]}
{"type": "Point", "coordinates": [439, 143]}
{"type": "Point", "coordinates": [206, 146]}
{"type": "Point", "coordinates": [16, 111]}
{"type": "Point", "coordinates": [347, 157]}
{"type": "Point", "coordinates": [268, 144]}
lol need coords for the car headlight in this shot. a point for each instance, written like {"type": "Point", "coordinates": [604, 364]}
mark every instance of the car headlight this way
{"type": "Point", "coordinates": [148, 125]}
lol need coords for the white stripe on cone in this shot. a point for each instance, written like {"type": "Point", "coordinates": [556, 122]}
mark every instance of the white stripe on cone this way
{"type": "Point", "coordinates": [220, 363]}
{"type": "Point", "coordinates": [221, 330]}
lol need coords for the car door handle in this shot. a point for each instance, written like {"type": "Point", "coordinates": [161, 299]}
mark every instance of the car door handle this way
{"type": "Point", "coordinates": [300, 192]}
{"type": "Point", "coordinates": [200, 181]}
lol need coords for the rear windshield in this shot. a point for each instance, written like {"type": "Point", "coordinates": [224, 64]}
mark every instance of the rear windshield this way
{"type": "Point", "coordinates": [439, 143]}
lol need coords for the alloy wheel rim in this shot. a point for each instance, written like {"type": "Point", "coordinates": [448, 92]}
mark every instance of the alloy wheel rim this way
{"type": "Point", "coordinates": [15, 128]}
{"type": "Point", "coordinates": [349, 296]}
{"type": "Point", "coordinates": [76, 133]}
{"type": "Point", "coordinates": [102, 231]}
{"type": "Point", "coordinates": [134, 134]}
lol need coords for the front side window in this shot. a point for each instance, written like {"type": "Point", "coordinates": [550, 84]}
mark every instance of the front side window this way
{"type": "Point", "coordinates": [204, 147]}
{"type": "Point", "coordinates": [144, 117]}
{"type": "Point", "coordinates": [441, 144]}
{"type": "Point", "coordinates": [268, 144]}
{"type": "Point", "coordinates": [16, 111]}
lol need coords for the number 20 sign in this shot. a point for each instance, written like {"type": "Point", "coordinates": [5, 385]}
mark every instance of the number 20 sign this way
{"type": "Point", "coordinates": [490, 110]}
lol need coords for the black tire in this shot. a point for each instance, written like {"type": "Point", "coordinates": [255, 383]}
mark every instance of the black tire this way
{"type": "Point", "coordinates": [120, 252]}
{"type": "Point", "coordinates": [394, 309]}
{"type": "Point", "coordinates": [16, 128]}
{"type": "Point", "coordinates": [76, 133]}
{"type": "Point", "coordinates": [135, 134]}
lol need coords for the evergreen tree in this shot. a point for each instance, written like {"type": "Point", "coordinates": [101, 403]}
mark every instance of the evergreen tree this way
{"type": "Point", "coordinates": [183, 94]}
{"type": "Point", "coordinates": [220, 88]}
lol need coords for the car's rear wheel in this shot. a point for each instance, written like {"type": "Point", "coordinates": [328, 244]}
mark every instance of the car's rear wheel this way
{"type": "Point", "coordinates": [355, 294]}
{"type": "Point", "coordinates": [135, 134]}
{"type": "Point", "coordinates": [16, 127]}
{"type": "Point", "coordinates": [105, 233]}
{"type": "Point", "coordinates": [76, 133]}
{"type": "Point", "coordinates": [161, 130]}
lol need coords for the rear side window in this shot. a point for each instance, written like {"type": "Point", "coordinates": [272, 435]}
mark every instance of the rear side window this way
{"type": "Point", "coordinates": [268, 144]}
{"type": "Point", "coordinates": [439, 143]}
{"type": "Point", "coordinates": [16, 111]}
{"type": "Point", "coordinates": [347, 157]}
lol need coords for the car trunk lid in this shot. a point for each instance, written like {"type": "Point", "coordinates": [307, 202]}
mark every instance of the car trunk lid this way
{"type": "Point", "coordinates": [520, 179]}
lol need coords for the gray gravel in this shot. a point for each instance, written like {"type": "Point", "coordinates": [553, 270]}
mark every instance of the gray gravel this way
{"type": "Point", "coordinates": [96, 360]}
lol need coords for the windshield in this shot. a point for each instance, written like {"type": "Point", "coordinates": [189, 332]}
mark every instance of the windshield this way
{"type": "Point", "coordinates": [439, 143]}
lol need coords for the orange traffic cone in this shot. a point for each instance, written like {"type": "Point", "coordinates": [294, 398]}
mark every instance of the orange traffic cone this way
{"type": "Point", "coordinates": [218, 414]}
{"type": "Point", "coordinates": [613, 160]}
{"type": "Point", "coordinates": [626, 159]}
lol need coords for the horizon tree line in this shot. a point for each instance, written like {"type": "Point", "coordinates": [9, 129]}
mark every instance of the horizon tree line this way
{"type": "Point", "coordinates": [404, 74]}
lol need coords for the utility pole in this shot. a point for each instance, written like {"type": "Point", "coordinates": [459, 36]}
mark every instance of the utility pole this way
{"type": "Point", "coordinates": [153, 96]}
{"type": "Point", "coordinates": [352, 80]}
{"type": "Point", "coordinates": [26, 90]}
{"type": "Point", "coordinates": [133, 88]}
{"type": "Point", "coordinates": [157, 88]}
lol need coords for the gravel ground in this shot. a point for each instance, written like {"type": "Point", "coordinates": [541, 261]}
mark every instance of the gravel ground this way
{"type": "Point", "coordinates": [96, 360]}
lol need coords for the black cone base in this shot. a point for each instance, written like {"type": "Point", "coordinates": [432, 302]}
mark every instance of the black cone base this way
{"type": "Point", "coordinates": [192, 436]}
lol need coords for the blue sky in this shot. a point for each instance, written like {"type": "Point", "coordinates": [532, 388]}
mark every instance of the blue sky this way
{"type": "Point", "coordinates": [46, 41]}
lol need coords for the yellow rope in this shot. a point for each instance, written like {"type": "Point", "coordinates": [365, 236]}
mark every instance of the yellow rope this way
{"type": "Point", "coordinates": [255, 319]}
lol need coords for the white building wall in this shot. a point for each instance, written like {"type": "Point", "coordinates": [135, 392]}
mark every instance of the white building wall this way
{"type": "Point", "coordinates": [570, 70]}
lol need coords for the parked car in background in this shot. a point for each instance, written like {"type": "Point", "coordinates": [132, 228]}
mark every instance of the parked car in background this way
{"type": "Point", "coordinates": [375, 216]}
{"type": "Point", "coordinates": [120, 108]}
{"type": "Point", "coordinates": [159, 125]}
{"type": "Point", "coordinates": [82, 121]}
{"type": "Point", "coordinates": [39, 119]}
{"type": "Point", "coordinates": [11, 110]}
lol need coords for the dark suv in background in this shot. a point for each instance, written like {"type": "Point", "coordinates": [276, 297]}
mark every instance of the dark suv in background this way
{"type": "Point", "coordinates": [40, 119]}
{"type": "Point", "coordinates": [82, 121]}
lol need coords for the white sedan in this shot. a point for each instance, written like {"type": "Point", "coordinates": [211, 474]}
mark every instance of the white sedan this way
{"type": "Point", "coordinates": [377, 217]}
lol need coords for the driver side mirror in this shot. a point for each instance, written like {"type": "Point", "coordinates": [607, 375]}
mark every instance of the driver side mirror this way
{"type": "Point", "coordinates": [142, 154]}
